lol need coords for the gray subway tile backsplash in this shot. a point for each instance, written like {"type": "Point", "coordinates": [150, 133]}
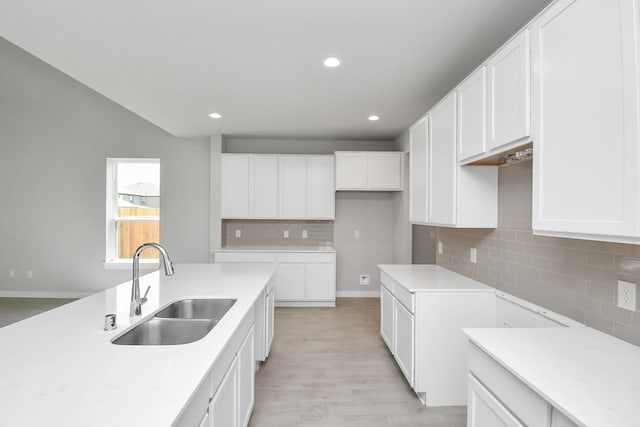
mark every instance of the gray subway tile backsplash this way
{"type": "Point", "coordinates": [577, 278]}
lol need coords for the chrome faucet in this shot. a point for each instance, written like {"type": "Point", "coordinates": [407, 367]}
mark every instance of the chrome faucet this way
{"type": "Point", "coordinates": [136, 301]}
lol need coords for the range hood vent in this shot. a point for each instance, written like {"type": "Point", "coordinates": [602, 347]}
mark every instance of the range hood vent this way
{"type": "Point", "coordinates": [510, 157]}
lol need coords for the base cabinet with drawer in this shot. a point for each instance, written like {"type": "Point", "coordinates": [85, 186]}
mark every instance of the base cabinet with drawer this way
{"type": "Point", "coordinates": [497, 398]}
{"type": "Point", "coordinates": [422, 331]}
{"type": "Point", "coordinates": [303, 279]}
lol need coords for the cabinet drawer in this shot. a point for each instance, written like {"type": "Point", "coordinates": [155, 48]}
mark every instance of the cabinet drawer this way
{"type": "Point", "coordinates": [405, 297]}
{"type": "Point", "coordinates": [306, 258]}
{"type": "Point", "coordinates": [387, 281]}
{"type": "Point", "coordinates": [245, 257]}
{"type": "Point", "coordinates": [523, 402]}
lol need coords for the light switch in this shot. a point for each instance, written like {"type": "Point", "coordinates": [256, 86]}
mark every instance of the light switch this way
{"type": "Point", "coordinates": [473, 255]}
{"type": "Point", "coordinates": [356, 234]}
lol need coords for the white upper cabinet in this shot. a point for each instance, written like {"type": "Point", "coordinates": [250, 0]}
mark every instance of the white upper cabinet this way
{"type": "Point", "coordinates": [321, 189]}
{"type": "Point", "coordinates": [384, 170]}
{"type": "Point", "coordinates": [472, 117]}
{"type": "Point", "coordinates": [441, 162]}
{"type": "Point", "coordinates": [351, 170]}
{"type": "Point", "coordinates": [263, 186]}
{"type": "Point", "coordinates": [369, 170]}
{"type": "Point", "coordinates": [418, 138]}
{"type": "Point", "coordinates": [235, 186]}
{"type": "Point", "coordinates": [292, 179]}
{"type": "Point", "coordinates": [509, 93]}
{"type": "Point", "coordinates": [585, 120]}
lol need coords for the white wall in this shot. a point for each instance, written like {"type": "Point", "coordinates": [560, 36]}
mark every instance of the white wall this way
{"type": "Point", "coordinates": [55, 136]}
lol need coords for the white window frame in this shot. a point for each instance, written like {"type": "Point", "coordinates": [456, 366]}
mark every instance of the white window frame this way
{"type": "Point", "coordinates": [111, 261]}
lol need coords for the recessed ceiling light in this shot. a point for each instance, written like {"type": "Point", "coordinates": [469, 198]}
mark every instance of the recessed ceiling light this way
{"type": "Point", "coordinates": [373, 118]}
{"type": "Point", "coordinates": [215, 115]}
{"type": "Point", "coordinates": [331, 62]}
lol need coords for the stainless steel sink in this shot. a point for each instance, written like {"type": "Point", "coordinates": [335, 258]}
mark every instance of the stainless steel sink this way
{"type": "Point", "coordinates": [212, 309]}
{"type": "Point", "coordinates": [158, 331]}
{"type": "Point", "coordinates": [182, 322]}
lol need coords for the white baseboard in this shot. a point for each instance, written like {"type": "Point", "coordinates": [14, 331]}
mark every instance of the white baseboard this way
{"type": "Point", "coordinates": [358, 294]}
{"type": "Point", "coordinates": [38, 294]}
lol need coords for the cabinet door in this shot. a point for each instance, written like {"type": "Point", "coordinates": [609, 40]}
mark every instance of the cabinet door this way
{"type": "Point", "coordinates": [321, 191]}
{"type": "Point", "coordinates": [585, 101]}
{"type": "Point", "coordinates": [292, 194]}
{"type": "Point", "coordinates": [418, 171]}
{"type": "Point", "coordinates": [263, 186]}
{"type": "Point", "coordinates": [291, 278]}
{"type": "Point", "coordinates": [384, 171]}
{"type": "Point", "coordinates": [386, 317]}
{"type": "Point", "coordinates": [442, 162]}
{"type": "Point", "coordinates": [509, 92]}
{"type": "Point", "coordinates": [246, 378]}
{"type": "Point", "coordinates": [223, 409]}
{"type": "Point", "coordinates": [485, 410]}
{"type": "Point", "coordinates": [404, 345]}
{"type": "Point", "coordinates": [234, 192]}
{"type": "Point", "coordinates": [321, 282]}
{"type": "Point", "coordinates": [472, 115]}
{"type": "Point", "coordinates": [351, 171]}
{"type": "Point", "coordinates": [271, 299]}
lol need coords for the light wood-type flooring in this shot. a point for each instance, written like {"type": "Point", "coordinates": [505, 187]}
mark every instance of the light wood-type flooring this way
{"type": "Point", "coordinates": [330, 367]}
{"type": "Point", "coordinates": [15, 309]}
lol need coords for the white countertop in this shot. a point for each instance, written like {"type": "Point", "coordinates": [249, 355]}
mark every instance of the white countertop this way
{"type": "Point", "coordinates": [60, 368]}
{"type": "Point", "coordinates": [431, 277]}
{"type": "Point", "coordinates": [592, 377]}
{"type": "Point", "coordinates": [275, 248]}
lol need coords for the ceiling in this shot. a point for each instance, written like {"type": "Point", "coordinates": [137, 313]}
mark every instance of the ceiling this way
{"type": "Point", "coordinates": [259, 62]}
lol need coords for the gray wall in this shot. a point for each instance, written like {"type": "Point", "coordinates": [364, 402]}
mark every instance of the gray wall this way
{"type": "Point", "coordinates": [55, 135]}
{"type": "Point", "coordinates": [372, 214]}
{"type": "Point", "coordinates": [402, 237]}
{"type": "Point", "coordinates": [577, 278]}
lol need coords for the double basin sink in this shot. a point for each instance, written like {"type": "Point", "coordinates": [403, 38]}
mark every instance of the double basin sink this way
{"type": "Point", "coordinates": [181, 322]}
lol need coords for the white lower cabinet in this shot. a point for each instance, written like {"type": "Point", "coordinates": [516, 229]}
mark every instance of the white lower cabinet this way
{"type": "Point", "coordinates": [246, 379]}
{"type": "Point", "coordinates": [233, 400]}
{"type": "Point", "coordinates": [226, 396]}
{"type": "Point", "coordinates": [223, 408]}
{"type": "Point", "coordinates": [291, 280]}
{"type": "Point", "coordinates": [303, 279]}
{"type": "Point", "coordinates": [422, 331]}
{"type": "Point", "coordinates": [404, 350]}
{"type": "Point", "coordinates": [497, 398]}
{"type": "Point", "coordinates": [386, 317]}
{"type": "Point", "coordinates": [483, 409]}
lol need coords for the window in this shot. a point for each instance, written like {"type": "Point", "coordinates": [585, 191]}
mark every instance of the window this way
{"type": "Point", "coordinates": [133, 207]}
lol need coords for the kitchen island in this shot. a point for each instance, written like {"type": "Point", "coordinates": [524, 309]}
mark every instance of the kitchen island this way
{"type": "Point", "coordinates": [60, 368]}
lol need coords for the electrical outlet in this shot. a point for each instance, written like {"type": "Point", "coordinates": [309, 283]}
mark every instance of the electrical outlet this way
{"type": "Point", "coordinates": [286, 234]}
{"type": "Point", "coordinates": [12, 273]}
{"type": "Point", "coordinates": [440, 247]}
{"type": "Point", "coordinates": [29, 274]}
{"type": "Point", "coordinates": [432, 234]}
{"type": "Point", "coordinates": [356, 234]}
{"type": "Point", "coordinates": [304, 234]}
{"type": "Point", "coordinates": [364, 279]}
{"type": "Point", "coordinates": [473, 255]}
{"type": "Point", "coordinates": [238, 233]}
{"type": "Point", "coordinates": [627, 295]}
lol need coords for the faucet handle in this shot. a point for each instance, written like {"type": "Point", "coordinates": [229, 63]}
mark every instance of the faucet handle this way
{"type": "Point", "coordinates": [144, 297]}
